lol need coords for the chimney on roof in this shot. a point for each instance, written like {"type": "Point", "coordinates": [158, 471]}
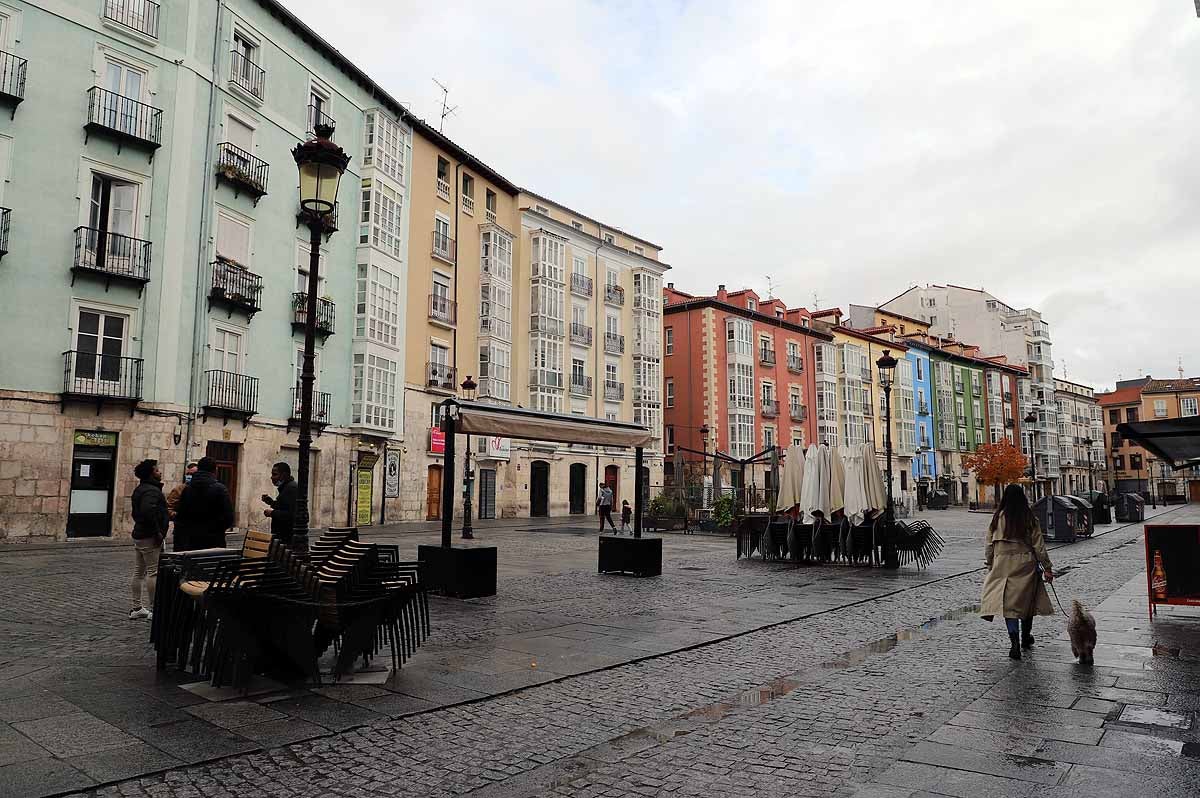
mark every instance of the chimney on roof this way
{"type": "Point", "coordinates": [722, 294]}
{"type": "Point", "coordinates": [671, 286]}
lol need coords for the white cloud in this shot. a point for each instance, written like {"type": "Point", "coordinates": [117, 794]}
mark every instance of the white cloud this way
{"type": "Point", "coordinates": [1042, 149]}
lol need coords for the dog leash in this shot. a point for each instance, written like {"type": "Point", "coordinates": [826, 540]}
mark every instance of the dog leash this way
{"type": "Point", "coordinates": [1056, 601]}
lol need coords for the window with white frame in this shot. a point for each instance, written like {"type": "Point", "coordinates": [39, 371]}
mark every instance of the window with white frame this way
{"type": "Point", "coordinates": [439, 356]}
{"type": "Point", "coordinates": [495, 254]}
{"type": "Point", "coordinates": [962, 438]}
{"type": "Point", "coordinates": [439, 300]}
{"type": "Point", "coordinates": [547, 256]}
{"type": "Point", "coordinates": [612, 324]}
{"type": "Point", "coordinates": [100, 343]}
{"type": "Point", "coordinates": [1188, 406]}
{"type": "Point", "coordinates": [303, 252]}
{"type": "Point", "coordinates": [578, 374]}
{"type": "Point", "coordinates": [112, 209]}
{"type": "Point", "coordinates": [668, 340]}
{"type": "Point", "coordinates": [612, 277]}
{"type": "Point", "coordinates": [377, 304]}
{"type": "Point", "coordinates": [226, 349]}
{"type": "Point", "coordinates": [768, 392]}
{"type": "Point", "coordinates": [384, 145]}
{"type": "Point", "coordinates": [495, 310]}
{"type": "Point", "coordinates": [298, 369]}
{"type": "Point", "coordinates": [825, 355]}
{"type": "Point", "coordinates": [739, 337]}
{"type": "Point", "coordinates": [669, 387]}
{"type": "Point", "coordinates": [547, 307]}
{"type": "Point", "coordinates": [611, 374]}
{"type": "Point", "coordinates": [233, 238]}
{"type": "Point", "coordinates": [579, 315]}
{"type": "Point", "coordinates": [579, 266]}
{"type": "Point", "coordinates": [495, 364]}
{"type": "Point", "coordinates": [961, 410]}
{"type": "Point", "coordinates": [768, 437]}
{"type": "Point", "coordinates": [670, 440]}
{"type": "Point", "coordinates": [741, 435]}
{"type": "Point", "coordinates": [795, 399]}
{"type": "Point", "coordinates": [741, 386]}
{"type": "Point", "coordinates": [548, 355]}
{"type": "Point", "coordinates": [373, 397]}
{"type": "Point", "coordinates": [1160, 408]}
{"type": "Point", "coordinates": [380, 217]}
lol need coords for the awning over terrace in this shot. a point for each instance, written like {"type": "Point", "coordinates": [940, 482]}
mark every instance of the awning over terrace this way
{"type": "Point", "coordinates": [1175, 441]}
{"type": "Point", "coordinates": [509, 422]}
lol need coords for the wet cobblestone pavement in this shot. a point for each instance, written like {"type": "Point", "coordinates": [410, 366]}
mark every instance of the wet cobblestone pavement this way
{"type": "Point", "coordinates": [732, 679]}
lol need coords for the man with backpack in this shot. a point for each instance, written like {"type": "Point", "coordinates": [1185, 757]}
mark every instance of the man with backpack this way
{"type": "Point", "coordinates": [150, 520]}
{"type": "Point", "coordinates": [204, 511]}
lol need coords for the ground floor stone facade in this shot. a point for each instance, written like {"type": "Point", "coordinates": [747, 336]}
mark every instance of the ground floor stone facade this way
{"type": "Point", "coordinates": [55, 459]}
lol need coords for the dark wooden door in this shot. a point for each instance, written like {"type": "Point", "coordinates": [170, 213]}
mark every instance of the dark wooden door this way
{"type": "Point", "coordinates": [612, 478]}
{"type": "Point", "coordinates": [433, 493]}
{"type": "Point", "coordinates": [539, 488]}
{"type": "Point", "coordinates": [578, 491]}
{"type": "Point", "coordinates": [226, 456]}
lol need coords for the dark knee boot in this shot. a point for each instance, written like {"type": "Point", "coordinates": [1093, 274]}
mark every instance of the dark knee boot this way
{"type": "Point", "coordinates": [1014, 651]}
{"type": "Point", "coordinates": [1027, 633]}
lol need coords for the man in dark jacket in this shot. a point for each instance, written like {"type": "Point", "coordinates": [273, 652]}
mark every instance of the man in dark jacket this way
{"type": "Point", "coordinates": [282, 509]}
{"type": "Point", "coordinates": [149, 509]}
{"type": "Point", "coordinates": [204, 512]}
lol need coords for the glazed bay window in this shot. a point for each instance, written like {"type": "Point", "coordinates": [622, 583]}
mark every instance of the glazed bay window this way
{"type": "Point", "coordinates": [739, 338]}
{"type": "Point", "coordinates": [377, 305]}
{"type": "Point", "coordinates": [384, 145]}
{"type": "Point", "coordinates": [547, 257]}
{"type": "Point", "coordinates": [495, 255]}
{"type": "Point", "coordinates": [741, 435]}
{"type": "Point", "coordinates": [741, 387]}
{"type": "Point", "coordinates": [495, 310]}
{"type": "Point", "coordinates": [379, 217]}
{"type": "Point", "coordinates": [373, 399]}
{"type": "Point", "coordinates": [546, 308]}
{"type": "Point", "coordinates": [1187, 407]}
{"type": "Point", "coordinates": [495, 371]}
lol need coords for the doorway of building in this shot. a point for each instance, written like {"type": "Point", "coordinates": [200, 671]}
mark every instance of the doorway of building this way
{"type": "Point", "coordinates": [539, 488]}
{"type": "Point", "coordinates": [612, 478]}
{"type": "Point", "coordinates": [487, 493]}
{"type": "Point", "coordinates": [645, 487]}
{"type": "Point", "coordinates": [578, 489]}
{"type": "Point", "coordinates": [433, 493]}
{"type": "Point", "coordinates": [226, 456]}
{"type": "Point", "coordinates": [93, 464]}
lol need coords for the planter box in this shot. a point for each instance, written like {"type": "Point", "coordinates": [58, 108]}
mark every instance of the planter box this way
{"type": "Point", "coordinates": [630, 555]}
{"type": "Point", "coordinates": [459, 571]}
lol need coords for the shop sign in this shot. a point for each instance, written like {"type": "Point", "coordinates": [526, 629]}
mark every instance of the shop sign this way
{"type": "Point", "coordinates": [391, 474]}
{"type": "Point", "coordinates": [366, 484]}
{"type": "Point", "coordinates": [497, 448]}
{"type": "Point", "coordinates": [86, 438]}
{"type": "Point", "coordinates": [437, 441]}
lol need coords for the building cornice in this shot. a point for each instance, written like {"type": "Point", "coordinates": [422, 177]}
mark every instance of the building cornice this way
{"type": "Point", "coordinates": [567, 232]}
{"type": "Point", "coordinates": [716, 304]}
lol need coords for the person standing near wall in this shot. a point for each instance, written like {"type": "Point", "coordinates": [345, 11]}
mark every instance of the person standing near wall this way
{"type": "Point", "coordinates": [150, 520]}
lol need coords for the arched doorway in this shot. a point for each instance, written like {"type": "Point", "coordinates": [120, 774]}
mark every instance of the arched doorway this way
{"type": "Point", "coordinates": [539, 488]}
{"type": "Point", "coordinates": [433, 493]}
{"type": "Point", "coordinates": [612, 478]}
{"type": "Point", "coordinates": [578, 488]}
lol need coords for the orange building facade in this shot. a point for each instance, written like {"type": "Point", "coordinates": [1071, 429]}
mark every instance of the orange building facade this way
{"type": "Point", "coordinates": [740, 366]}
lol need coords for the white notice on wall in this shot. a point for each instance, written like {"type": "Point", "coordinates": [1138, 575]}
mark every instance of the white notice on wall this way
{"type": "Point", "coordinates": [85, 470]}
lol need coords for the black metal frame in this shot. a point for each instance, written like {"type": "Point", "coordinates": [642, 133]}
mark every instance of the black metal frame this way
{"type": "Point", "coordinates": [124, 119]}
{"type": "Point", "coordinates": [248, 75]}
{"type": "Point", "coordinates": [242, 170]}
{"type": "Point", "coordinates": [112, 256]}
{"type": "Point", "coordinates": [127, 387]}
{"type": "Point", "coordinates": [320, 410]}
{"type": "Point", "coordinates": [127, 18]}
{"type": "Point", "coordinates": [13, 69]}
{"type": "Point", "coordinates": [324, 320]}
{"type": "Point", "coordinates": [235, 287]}
{"type": "Point", "coordinates": [5, 222]}
{"type": "Point", "coordinates": [236, 395]}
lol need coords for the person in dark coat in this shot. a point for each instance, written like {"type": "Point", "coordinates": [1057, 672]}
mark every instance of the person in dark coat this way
{"type": "Point", "coordinates": [282, 509]}
{"type": "Point", "coordinates": [204, 512]}
{"type": "Point", "coordinates": [150, 520]}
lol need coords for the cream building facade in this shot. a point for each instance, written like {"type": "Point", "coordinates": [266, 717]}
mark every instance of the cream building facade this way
{"type": "Point", "coordinates": [1080, 437]}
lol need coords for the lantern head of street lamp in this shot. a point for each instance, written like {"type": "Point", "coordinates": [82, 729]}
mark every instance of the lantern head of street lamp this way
{"type": "Point", "coordinates": [321, 164]}
{"type": "Point", "coordinates": [1031, 417]}
{"type": "Point", "coordinates": [468, 388]}
{"type": "Point", "coordinates": [887, 368]}
{"type": "Point", "coordinates": [703, 432]}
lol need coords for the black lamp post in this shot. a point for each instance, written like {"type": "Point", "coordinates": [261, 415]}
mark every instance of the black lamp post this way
{"type": "Point", "coordinates": [1091, 466]}
{"type": "Point", "coordinates": [468, 532]}
{"type": "Point", "coordinates": [321, 164]}
{"type": "Point", "coordinates": [704, 463]}
{"type": "Point", "coordinates": [887, 368]}
{"type": "Point", "coordinates": [1030, 419]}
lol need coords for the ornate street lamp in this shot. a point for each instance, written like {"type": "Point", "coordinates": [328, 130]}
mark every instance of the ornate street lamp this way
{"type": "Point", "coordinates": [887, 369]}
{"type": "Point", "coordinates": [1030, 419]}
{"type": "Point", "coordinates": [320, 163]}
{"type": "Point", "coordinates": [468, 532]}
{"type": "Point", "coordinates": [1091, 465]}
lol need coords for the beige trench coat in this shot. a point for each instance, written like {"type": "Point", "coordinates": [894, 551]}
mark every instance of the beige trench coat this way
{"type": "Point", "coordinates": [1013, 584]}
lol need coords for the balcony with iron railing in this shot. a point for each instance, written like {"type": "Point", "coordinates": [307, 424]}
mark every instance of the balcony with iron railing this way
{"type": "Point", "coordinates": [766, 357]}
{"type": "Point", "coordinates": [770, 408]}
{"type": "Point", "coordinates": [441, 376]}
{"type": "Point", "coordinates": [320, 407]}
{"type": "Point", "coordinates": [324, 317]}
{"type": "Point", "coordinates": [922, 408]}
{"type": "Point", "coordinates": [795, 364]}
{"type": "Point", "coordinates": [443, 247]}
{"type": "Point", "coordinates": [581, 285]}
{"type": "Point", "coordinates": [92, 375]}
{"type": "Point", "coordinates": [581, 386]}
{"type": "Point", "coordinates": [540, 323]}
{"type": "Point", "coordinates": [230, 394]}
{"type": "Point", "coordinates": [614, 294]}
{"type": "Point", "coordinates": [123, 118]}
{"type": "Point", "coordinates": [442, 310]}
{"type": "Point", "coordinates": [12, 78]}
{"type": "Point", "coordinates": [235, 287]}
{"type": "Point", "coordinates": [139, 16]}
{"type": "Point", "coordinates": [614, 344]}
{"type": "Point", "coordinates": [241, 170]}
{"type": "Point", "coordinates": [581, 334]}
{"type": "Point", "coordinates": [614, 391]}
{"type": "Point", "coordinates": [5, 220]}
{"type": "Point", "coordinates": [318, 117]}
{"type": "Point", "coordinates": [958, 386]}
{"type": "Point", "coordinates": [798, 413]}
{"type": "Point", "coordinates": [247, 75]}
{"type": "Point", "coordinates": [443, 188]}
{"type": "Point", "coordinates": [976, 390]}
{"type": "Point", "coordinates": [111, 256]}
{"type": "Point", "coordinates": [545, 378]}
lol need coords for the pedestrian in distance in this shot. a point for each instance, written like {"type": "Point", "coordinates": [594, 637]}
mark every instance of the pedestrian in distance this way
{"type": "Point", "coordinates": [1017, 563]}
{"type": "Point", "coordinates": [177, 491]}
{"type": "Point", "coordinates": [282, 509]}
{"type": "Point", "coordinates": [604, 500]}
{"type": "Point", "coordinates": [204, 512]}
{"type": "Point", "coordinates": [626, 515]}
{"type": "Point", "coordinates": [150, 521]}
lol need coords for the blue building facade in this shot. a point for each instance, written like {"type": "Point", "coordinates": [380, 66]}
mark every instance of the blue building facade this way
{"type": "Point", "coordinates": [924, 463]}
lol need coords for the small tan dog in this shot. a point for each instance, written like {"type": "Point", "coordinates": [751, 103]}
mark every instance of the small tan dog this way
{"type": "Point", "coordinates": [1082, 630]}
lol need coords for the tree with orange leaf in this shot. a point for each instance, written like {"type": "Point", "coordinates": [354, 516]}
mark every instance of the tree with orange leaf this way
{"type": "Point", "coordinates": [998, 463]}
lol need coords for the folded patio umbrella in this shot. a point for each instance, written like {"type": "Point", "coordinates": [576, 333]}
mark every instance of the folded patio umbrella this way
{"type": "Point", "coordinates": [855, 495]}
{"type": "Point", "coordinates": [837, 482]}
{"type": "Point", "coordinates": [791, 480]}
{"type": "Point", "coordinates": [815, 488]}
{"type": "Point", "coordinates": [875, 488]}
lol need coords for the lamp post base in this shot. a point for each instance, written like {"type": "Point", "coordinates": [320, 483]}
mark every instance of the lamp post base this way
{"type": "Point", "coordinates": [635, 556]}
{"type": "Point", "coordinates": [459, 571]}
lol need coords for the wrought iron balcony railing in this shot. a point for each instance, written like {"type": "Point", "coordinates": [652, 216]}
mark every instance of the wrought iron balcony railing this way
{"type": "Point", "coordinates": [230, 393]}
{"type": "Point", "coordinates": [443, 247]}
{"type": "Point", "coordinates": [581, 386]}
{"type": "Point", "coordinates": [235, 286]}
{"type": "Point", "coordinates": [137, 15]}
{"type": "Point", "coordinates": [111, 255]}
{"type": "Point", "coordinates": [795, 364]}
{"type": "Point", "coordinates": [766, 357]}
{"type": "Point", "coordinates": [581, 334]}
{"type": "Point", "coordinates": [12, 77]}
{"type": "Point", "coordinates": [770, 408]}
{"type": "Point", "coordinates": [318, 117]}
{"type": "Point", "coordinates": [325, 313]}
{"type": "Point", "coordinates": [614, 344]}
{"type": "Point", "coordinates": [442, 309]}
{"type": "Point", "coordinates": [614, 391]}
{"type": "Point", "coordinates": [124, 118]}
{"type": "Point", "coordinates": [614, 294]}
{"type": "Point", "coordinates": [320, 408]}
{"type": "Point", "coordinates": [581, 285]}
{"type": "Point", "coordinates": [248, 75]}
{"type": "Point", "coordinates": [798, 413]}
{"type": "Point", "coordinates": [441, 375]}
{"type": "Point", "coordinates": [242, 170]}
{"type": "Point", "coordinates": [92, 374]}
{"type": "Point", "coordinates": [5, 220]}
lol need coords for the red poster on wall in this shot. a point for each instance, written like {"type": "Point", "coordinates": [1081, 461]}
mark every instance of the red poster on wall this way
{"type": "Point", "coordinates": [437, 441]}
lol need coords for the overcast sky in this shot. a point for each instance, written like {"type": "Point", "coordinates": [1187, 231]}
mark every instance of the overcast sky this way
{"type": "Point", "coordinates": [1045, 150]}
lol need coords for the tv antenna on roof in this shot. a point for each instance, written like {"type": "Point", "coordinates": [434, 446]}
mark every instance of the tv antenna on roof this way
{"type": "Point", "coordinates": [446, 111]}
{"type": "Point", "coordinates": [1181, 356]}
{"type": "Point", "coordinates": [770, 288]}
{"type": "Point", "coordinates": [816, 301]}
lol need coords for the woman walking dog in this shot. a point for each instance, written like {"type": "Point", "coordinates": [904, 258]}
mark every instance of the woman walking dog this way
{"type": "Point", "coordinates": [1017, 562]}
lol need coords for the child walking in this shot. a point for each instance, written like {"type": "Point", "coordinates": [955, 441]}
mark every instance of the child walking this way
{"type": "Point", "coordinates": [626, 516]}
